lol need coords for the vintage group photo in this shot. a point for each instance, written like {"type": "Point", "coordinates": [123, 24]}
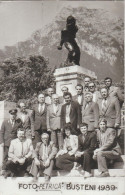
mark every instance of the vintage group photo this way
{"type": "Point", "coordinates": [62, 108]}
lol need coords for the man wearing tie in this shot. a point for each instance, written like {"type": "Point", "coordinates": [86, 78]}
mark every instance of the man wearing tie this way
{"type": "Point", "coordinates": [71, 113]}
{"type": "Point", "coordinates": [80, 96]}
{"type": "Point", "coordinates": [9, 132]}
{"type": "Point", "coordinates": [53, 121]}
{"type": "Point", "coordinates": [90, 112]}
{"type": "Point", "coordinates": [39, 118]}
{"type": "Point", "coordinates": [109, 108]}
{"type": "Point", "coordinates": [44, 154]}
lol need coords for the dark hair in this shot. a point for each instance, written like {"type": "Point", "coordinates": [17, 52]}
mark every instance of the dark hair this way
{"type": "Point", "coordinates": [79, 85]}
{"type": "Point", "coordinates": [103, 87]}
{"type": "Point", "coordinates": [107, 79]}
{"type": "Point", "coordinates": [68, 126]}
{"type": "Point", "coordinates": [21, 129]}
{"type": "Point", "coordinates": [84, 124]}
{"type": "Point", "coordinates": [67, 93]}
{"type": "Point", "coordinates": [103, 120]}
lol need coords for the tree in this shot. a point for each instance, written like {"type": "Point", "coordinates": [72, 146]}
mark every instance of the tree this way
{"type": "Point", "coordinates": [24, 78]}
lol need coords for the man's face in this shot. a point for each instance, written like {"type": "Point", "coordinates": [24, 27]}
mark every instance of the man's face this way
{"type": "Point", "coordinates": [50, 92]}
{"type": "Point", "coordinates": [64, 90]}
{"type": "Point", "coordinates": [91, 87]}
{"type": "Point", "coordinates": [67, 132]}
{"type": "Point", "coordinates": [83, 130]}
{"type": "Point", "coordinates": [79, 90]}
{"type": "Point", "coordinates": [45, 139]}
{"type": "Point", "coordinates": [67, 99]}
{"type": "Point", "coordinates": [13, 116]}
{"type": "Point", "coordinates": [104, 93]}
{"type": "Point", "coordinates": [21, 135]}
{"type": "Point", "coordinates": [108, 82]}
{"type": "Point", "coordinates": [22, 107]}
{"type": "Point", "coordinates": [86, 81]}
{"type": "Point", "coordinates": [88, 97]}
{"type": "Point", "coordinates": [55, 99]}
{"type": "Point", "coordinates": [41, 98]}
{"type": "Point", "coordinates": [102, 126]}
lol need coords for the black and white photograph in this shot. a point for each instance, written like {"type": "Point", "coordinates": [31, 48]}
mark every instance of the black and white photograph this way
{"type": "Point", "coordinates": [62, 111]}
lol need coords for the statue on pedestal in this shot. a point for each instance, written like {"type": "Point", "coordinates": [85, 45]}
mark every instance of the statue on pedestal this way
{"type": "Point", "coordinates": [68, 36]}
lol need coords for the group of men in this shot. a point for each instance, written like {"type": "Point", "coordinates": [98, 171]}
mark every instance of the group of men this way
{"type": "Point", "coordinates": [64, 130]}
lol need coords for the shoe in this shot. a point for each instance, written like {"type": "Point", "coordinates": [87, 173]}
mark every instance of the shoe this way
{"type": "Point", "coordinates": [87, 174]}
{"type": "Point", "coordinates": [7, 174]}
{"type": "Point", "coordinates": [104, 174]}
{"type": "Point", "coordinates": [47, 178]}
{"type": "Point", "coordinates": [26, 174]}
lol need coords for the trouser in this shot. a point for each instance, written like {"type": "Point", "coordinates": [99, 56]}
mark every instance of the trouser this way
{"type": "Point", "coordinates": [16, 168]}
{"type": "Point", "coordinates": [65, 162]}
{"type": "Point", "coordinates": [37, 169]}
{"type": "Point", "coordinates": [102, 158]}
{"type": "Point", "coordinates": [85, 160]}
{"type": "Point", "coordinates": [57, 138]}
{"type": "Point", "coordinates": [5, 157]}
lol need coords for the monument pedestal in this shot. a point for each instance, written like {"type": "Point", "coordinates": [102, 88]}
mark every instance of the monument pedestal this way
{"type": "Point", "coordinates": [70, 76]}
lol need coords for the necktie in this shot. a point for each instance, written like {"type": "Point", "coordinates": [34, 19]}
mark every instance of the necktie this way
{"type": "Point", "coordinates": [104, 105]}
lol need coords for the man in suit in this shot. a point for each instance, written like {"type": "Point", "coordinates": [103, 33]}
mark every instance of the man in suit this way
{"type": "Point", "coordinates": [92, 89]}
{"type": "Point", "coordinates": [48, 98]}
{"type": "Point", "coordinates": [90, 112]}
{"type": "Point", "coordinates": [44, 154]}
{"type": "Point", "coordinates": [108, 147]}
{"type": "Point", "coordinates": [114, 91]}
{"type": "Point", "coordinates": [109, 108]}
{"type": "Point", "coordinates": [80, 96]}
{"type": "Point", "coordinates": [61, 98]}
{"type": "Point", "coordinates": [71, 113]}
{"type": "Point", "coordinates": [26, 118]}
{"type": "Point", "coordinates": [19, 155]}
{"type": "Point", "coordinates": [9, 132]}
{"type": "Point", "coordinates": [87, 143]}
{"type": "Point", "coordinates": [53, 121]}
{"type": "Point", "coordinates": [39, 117]}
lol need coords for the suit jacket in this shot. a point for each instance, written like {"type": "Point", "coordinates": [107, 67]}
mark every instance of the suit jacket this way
{"type": "Point", "coordinates": [8, 132]}
{"type": "Point", "coordinates": [96, 96]}
{"type": "Point", "coordinates": [75, 98]}
{"type": "Point", "coordinates": [109, 139]}
{"type": "Point", "coordinates": [116, 92]}
{"type": "Point", "coordinates": [112, 113]}
{"type": "Point", "coordinates": [28, 121]}
{"type": "Point", "coordinates": [90, 115]}
{"type": "Point", "coordinates": [75, 116]}
{"type": "Point", "coordinates": [39, 118]}
{"type": "Point", "coordinates": [53, 119]}
{"type": "Point", "coordinates": [61, 100]}
{"type": "Point", "coordinates": [89, 144]}
{"type": "Point", "coordinates": [73, 142]}
{"type": "Point", "coordinates": [38, 153]}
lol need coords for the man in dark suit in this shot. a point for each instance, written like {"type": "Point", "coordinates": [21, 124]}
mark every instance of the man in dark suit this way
{"type": "Point", "coordinates": [114, 91]}
{"type": "Point", "coordinates": [44, 154]}
{"type": "Point", "coordinates": [26, 118]}
{"type": "Point", "coordinates": [39, 118]}
{"type": "Point", "coordinates": [80, 96]}
{"type": "Point", "coordinates": [70, 113]}
{"type": "Point", "coordinates": [9, 132]}
{"type": "Point", "coordinates": [109, 108]}
{"type": "Point", "coordinates": [86, 145]}
{"type": "Point", "coordinates": [90, 112]}
{"type": "Point", "coordinates": [53, 121]}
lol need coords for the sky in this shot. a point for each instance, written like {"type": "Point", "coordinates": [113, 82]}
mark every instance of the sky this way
{"type": "Point", "coordinates": [19, 19]}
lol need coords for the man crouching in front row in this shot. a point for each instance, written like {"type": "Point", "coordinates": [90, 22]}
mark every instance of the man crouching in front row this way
{"type": "Point", "coordinates": [43, 158]}
{"type": "Point", "coordinates": [19, 155]}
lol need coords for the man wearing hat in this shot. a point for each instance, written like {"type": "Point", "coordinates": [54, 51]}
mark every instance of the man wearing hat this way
{"type": "Point", "coordinates": [9, 132]}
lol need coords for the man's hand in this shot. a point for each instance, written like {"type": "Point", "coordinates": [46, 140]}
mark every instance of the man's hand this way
{"type": "Point", "coordinates": [47, 162]}
{"type": "Point", "coordinates": [49, 130]}
{"type": "Point", "coordinates": [2, 145]}
{"type": "Point", "coordinates": [61, 152]}
{"type": "Point", "coordinates": [37, 162]}
{"type": "Point", "coordinates": [21, 161]}
{"type": "Point", "coordinates": [59, 47]}
{"type": "Point", "coordinates": [15, 159]}
{"type": "Point", "coordinates": [79, 154]}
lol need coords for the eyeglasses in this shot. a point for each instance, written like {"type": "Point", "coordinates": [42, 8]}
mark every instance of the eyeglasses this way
{"type": "Point", "coordinates": [91, 86]}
